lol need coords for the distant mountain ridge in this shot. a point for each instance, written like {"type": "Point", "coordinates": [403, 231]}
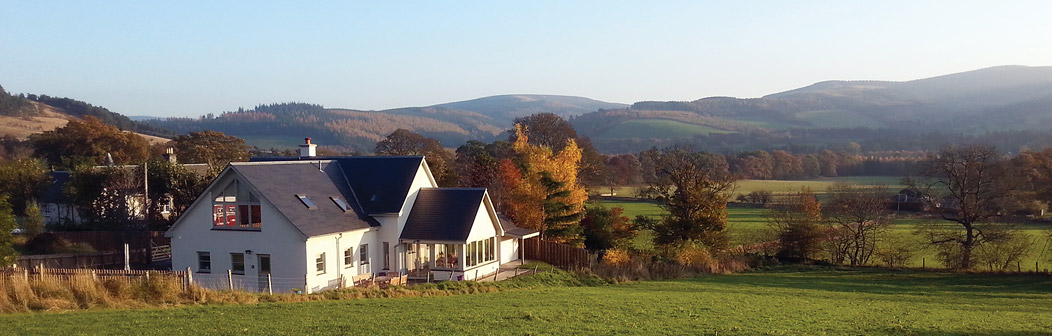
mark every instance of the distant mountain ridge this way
{"type": "Point", "coordinates": [1017, 97]}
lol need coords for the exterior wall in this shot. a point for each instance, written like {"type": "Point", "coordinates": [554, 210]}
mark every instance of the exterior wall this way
{"type": "Point", "coordinates": [483, 228]}
{"type": "Point", "coordinates": [337, 273]}
{"type": "Point", "coordinates": [277, 237]}
{"type": "Point", "coordinates": [391, 227]}
{"type": "Point", "coordinates": [58, 213]}
{"type": "Point", "coordinates": [509, 250]}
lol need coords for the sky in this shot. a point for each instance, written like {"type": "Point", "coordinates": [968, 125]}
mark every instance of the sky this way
{"type": "Point", "coordinates": [189, 58]}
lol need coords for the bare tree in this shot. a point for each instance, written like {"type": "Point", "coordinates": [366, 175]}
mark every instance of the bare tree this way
{"type": "Point", "coordinates": [968, 186]}
{"type": "Point", "coordinates": [857, 219]}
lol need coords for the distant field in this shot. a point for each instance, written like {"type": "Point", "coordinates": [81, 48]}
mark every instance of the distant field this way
{"type": "Point", "coordinates": [784, 301]}
{"type": "Point", "coordinates": [817, 185]}
{"type": "Point", "coordinates": [837, 119]}
{"type": "Point", "coordinates": [657, 128]}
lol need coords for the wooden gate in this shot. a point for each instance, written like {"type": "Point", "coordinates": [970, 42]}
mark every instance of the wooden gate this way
{"type": "Point", "coordinates": [563, 256]}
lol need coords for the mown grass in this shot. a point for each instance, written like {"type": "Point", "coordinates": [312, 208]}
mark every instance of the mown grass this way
{"type": "Point", "coordinates": [784, 301]}
{"type": "Point", "coordinates": [742, 187]}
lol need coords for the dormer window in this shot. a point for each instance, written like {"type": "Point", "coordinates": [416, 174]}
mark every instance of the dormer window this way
{"type": "Point", "coordinates": [306, 201]}
{"type": "Point", "coordinates": [236, 207]}
{"type": "Point", "coordinates": [340, 203]}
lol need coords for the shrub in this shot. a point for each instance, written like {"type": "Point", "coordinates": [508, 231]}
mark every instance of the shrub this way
{"type": "Point", "coordinates": [616, 257]}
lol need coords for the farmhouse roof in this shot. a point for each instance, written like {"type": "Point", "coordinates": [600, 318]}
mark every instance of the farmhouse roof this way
{"type": "Point", "coordinates": [320, 181]}
{"type": "Point", "coordinates": [381, 183]}
{"type": "Point", "coordinates": [54, 193]}
{"type": "Point", "coordinates": [443, 214]}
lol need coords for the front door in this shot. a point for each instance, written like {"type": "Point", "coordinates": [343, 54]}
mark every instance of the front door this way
{"type": "Point", "coordinates": [264, 272]}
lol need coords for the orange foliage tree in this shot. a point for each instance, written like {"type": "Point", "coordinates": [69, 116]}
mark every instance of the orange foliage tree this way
{"type": "Point", "coordinates": [546, 196]}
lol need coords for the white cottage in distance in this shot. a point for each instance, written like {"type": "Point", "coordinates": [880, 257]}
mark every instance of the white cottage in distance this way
{"type": "Point", "coordinates": [320, 223]}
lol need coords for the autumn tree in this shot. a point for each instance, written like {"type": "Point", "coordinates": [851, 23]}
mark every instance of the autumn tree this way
{"type": "Point", "coordinates": [210, 147]}
{"type": "Point", "coordinates": [857, 218]}
{"type": "Point", "coordinates": [403, 142]}
{"type": "Point", "coordinates": [552, 131]}
{"type": "Point", "coordinates": [87, 142]}
{"type": "Point", "coordinates": [625, 169]}
{"type": "Point", "coordinates": [971, 185]}
{"type": "Point", "coordinates": [548, 183]}
{"type": "Point", "coordinates": [798, 223]}
{"type": "Point", "coordinates": [23, 181]}
{"type": "Point", "coordinates": [694, 188]}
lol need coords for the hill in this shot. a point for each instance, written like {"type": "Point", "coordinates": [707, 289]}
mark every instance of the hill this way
{"type": "Point", "coordinates": [1019, 97]}
{"type": "Point", "coordinates": [283, 125]}
{"type": "Point", "coordinates": [22, 116]}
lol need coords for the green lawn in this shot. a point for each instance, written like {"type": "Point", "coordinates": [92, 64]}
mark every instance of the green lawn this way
{"type": "Point", "coordinates": [790, 301]}
{"type": "Point", "coordinates": [742, 187]}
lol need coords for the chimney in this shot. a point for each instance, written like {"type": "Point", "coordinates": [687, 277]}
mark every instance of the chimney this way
{"type": "Point", "coordinates": [169, 156]}
{"type": "Point", "coordinates": [308, 149]}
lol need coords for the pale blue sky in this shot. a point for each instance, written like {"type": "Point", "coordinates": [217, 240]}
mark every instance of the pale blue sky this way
{"type": "Point", "coordinates": [183, 58]}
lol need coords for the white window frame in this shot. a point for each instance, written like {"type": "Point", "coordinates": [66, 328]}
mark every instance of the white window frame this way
{"type": "Point", "coordinates": [233, 269]}
{"type": "Point", "coordinates": [207, 258]}
{"type": "Point", "coordinates": [319, 263]}
{"type": "Point", "coordinates": [348, 257]}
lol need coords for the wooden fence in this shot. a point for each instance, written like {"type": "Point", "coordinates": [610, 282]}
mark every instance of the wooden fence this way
{"type": "Point", "coordinates": [80, 274]}
{"type": "Point", "coordinates": [83, 260]}
{"type": "Point", "coordinates": [563, 256]}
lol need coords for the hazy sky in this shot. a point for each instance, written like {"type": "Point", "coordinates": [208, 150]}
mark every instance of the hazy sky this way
{"type": "Point", "coordinates": [190, 58]}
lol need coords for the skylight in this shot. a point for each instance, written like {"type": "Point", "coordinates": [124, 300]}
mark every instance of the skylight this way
{"type": "Point", "coordinates": [306, 201]}
{"type": "Point", "coordinates": [339, 202]}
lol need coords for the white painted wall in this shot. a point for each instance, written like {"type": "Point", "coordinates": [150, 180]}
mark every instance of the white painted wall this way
{"type": "Point", "coordinates": [278, 238]}
{"type": "Point", "coordinates": [509, 250]}
{"type": "Point", "coordinates": [334, 245]}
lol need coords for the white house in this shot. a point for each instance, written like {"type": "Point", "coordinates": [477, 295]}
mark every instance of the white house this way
{"type": "Point", "coordinates": [319, 223]}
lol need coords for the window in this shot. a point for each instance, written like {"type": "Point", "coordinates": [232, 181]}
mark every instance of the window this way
{"type": "Point", "coordinates": [340, 203]}
{"type": "Point", "coordinates": [480, 252]}
{"type": "Point", "coordinates": [237, 263]}
{"type": "Point", "coordinates": [387, 255]}
{"type": "Point", "coordinates": [319, 263]}
{"type": "Point", "coordinates": [471, 254]}
{"type": "Point", "coordinates": [363, 253]}
{"type": "Point", "coordinates": [204, 262]}
{"type": "Point", "coordinates": [348, 257]}
{"type": "Point", "coordinates": [235, 207]}
{"type": "Point", "coordinates": [306, 201]}
{"type": "Point", "coordinates": [489, 249]}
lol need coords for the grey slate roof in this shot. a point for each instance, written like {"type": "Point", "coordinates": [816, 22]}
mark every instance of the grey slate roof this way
{"type": "Point", "coordinates": [443, 214]}
{"type": "Point", "coordinates": [381, 183]}
{"type": "Point", "coordinates": [279, 183]}
{"type": "Point", "coordinates": [510, 229]}
{"type": "Point", "coordinates": [54, 194]}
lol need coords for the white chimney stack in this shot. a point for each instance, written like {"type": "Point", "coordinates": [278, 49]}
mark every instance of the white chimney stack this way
{"type": "Point", "coordinates": [308, 149]}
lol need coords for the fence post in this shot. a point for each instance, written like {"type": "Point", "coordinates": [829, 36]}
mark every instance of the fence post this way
{"type": "Point", "coordinates": [270, 285]}
{"type": "Point", "coordinates": [923, 262]}
{"type": "Point", "coordinates": [147, 276]}
{"type": "Point", "coordinates": [230, 279]}
{"type": "Point", "coordinates": [94, 276]}
{"type": "Point", "coordinates": [476, 275]}
{"type": "Point", "coordinates": [189, 278]}
{"type": "Point", "coordinates": [25, 274]}
{"type": "Point", "coordinates": [127, 258]}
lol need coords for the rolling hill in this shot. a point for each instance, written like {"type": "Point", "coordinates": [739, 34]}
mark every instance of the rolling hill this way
{"type": "Point", "coordinates": [976, 102]}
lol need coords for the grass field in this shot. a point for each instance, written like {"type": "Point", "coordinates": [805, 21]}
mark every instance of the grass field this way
{"type": "Point", "coordinates": [662, 128]}
{"type": "Point", "coordinates": [743, 221]}
{"type": "Point", "coordinates": [796, 301]}
{"type": "Point", "coordinates": [818, 185]}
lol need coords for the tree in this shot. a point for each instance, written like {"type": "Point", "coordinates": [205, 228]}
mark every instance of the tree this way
{"type": "Point", "coordinates": [7, 224]}
{"type": "Point", "coordinates": [625, 169]}
{"type": "Point", "coordinates": [606, 228]}
{"type": "Point", "coordinates": [970, 185]}
{"type": "Point", "coordinates": [23, 181]}
{"type": "Point", "coordinates": [798, 224]}
{"type": "Point", "coordinates": [104, 196]}
{"type": "Point", "coordinates": [857, 219]}
{"type": "Point", "coordinates": [474, 165]}
{"type": "Point", "coordinates": [548, 182]}
{"type": "Point", "coordinates": [213, 148]}
{"type": "Point", "coordinates": [403, 142]}
{"type": "Point", "coordinates": [87, 142]}
{"type": "Point", "coordinates": [694, 188]}
{"type": "Point", "coordinates": [552, 131]}
{"type": "Point", "coordinates": [174, 183]}
{"type": "Point", "coordinates": [33, 222]}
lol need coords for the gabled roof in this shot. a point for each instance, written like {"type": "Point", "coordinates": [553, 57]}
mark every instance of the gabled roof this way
{"type": "Point", "coordinates": [512, 230]}
{"type": "Point", "coordinates": [381, 183]}
{"type": "Point", "coordinates": [443, 214]}
{"type": "Point", "coordinates": [54, 193]}
{"type": "Point", "coordinates": [280, 182]}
